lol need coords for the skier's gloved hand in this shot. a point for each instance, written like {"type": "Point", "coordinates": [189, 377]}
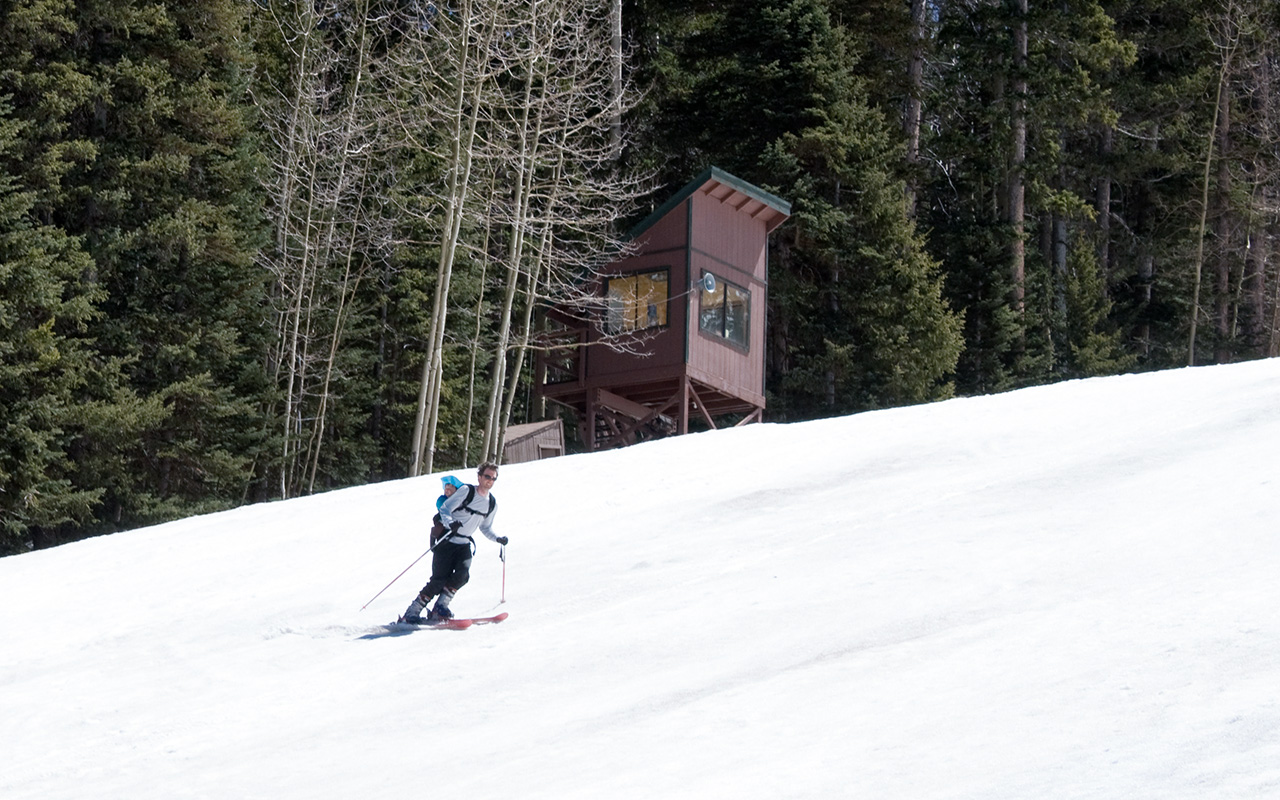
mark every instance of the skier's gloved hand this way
{"type": "Point", "coordinates": [502, 540]}
{"type": "Point", "coordinates": [455, 526]}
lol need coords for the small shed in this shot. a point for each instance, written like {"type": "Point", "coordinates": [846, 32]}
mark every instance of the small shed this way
{"type": "Point", "coordinates": [687, 305]}
{"type": "Point", "coordinates": [533, 441]}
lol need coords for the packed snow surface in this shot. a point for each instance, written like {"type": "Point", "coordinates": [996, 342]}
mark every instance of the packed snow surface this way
{"type": "Point", "coordinates": [1063, 592]}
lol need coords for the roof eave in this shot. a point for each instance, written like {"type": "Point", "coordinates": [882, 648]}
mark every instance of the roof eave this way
{"type": "Point", "coordinates": [776, 209]}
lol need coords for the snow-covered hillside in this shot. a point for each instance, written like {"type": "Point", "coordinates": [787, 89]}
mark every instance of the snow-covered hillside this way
{"type": "Point", "coordinates": [1063, 592]}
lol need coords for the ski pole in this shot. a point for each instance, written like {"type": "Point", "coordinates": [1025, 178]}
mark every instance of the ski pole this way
{"type": "Point", "coordinates": [398, 577]}
{"type": "Point", "coordinates": [502, 554]}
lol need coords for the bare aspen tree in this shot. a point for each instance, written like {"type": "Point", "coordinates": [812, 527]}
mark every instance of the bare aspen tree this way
{"type": "Point", "coordinates": [1102, 197]}
{"type": "Point", "coordinates": [1228, 41]}
{"type": "Point", "coordinates": [452, 58]}
{"type": "Point", "coordinates": [913, 111]}
{"type": "Point", "coordinates": [358, 231]}
{"type": "Point", "coordinates": [476, 336]}
{"type": "Point", "coordinates": [573, 193]}
{"type": "Point", "coordinates": [1224, 225]}
{"type": "Point", "coordinates": [531, 134]}
{"type": "Point", "coordinates": [514, 107]}
{"type": "Point", "coordinates": [1017, 170]}
{"type": "Point", "coordinates": [1267, 271]}
{"type": "Point", "coordinates": [500, 92]}
{"type": "Point", "coordinates": [617, 60]}
{"type": "Point", "coordinates": [534, 278]}
{"type": "Point", "coordinates": [1252, 311]}
{"type": "Point", "coordinates": [525, 141]}
{"type": "Point", "coordinates": [289, 118]}
{"type": "Point", "coordinates": [316, 115]}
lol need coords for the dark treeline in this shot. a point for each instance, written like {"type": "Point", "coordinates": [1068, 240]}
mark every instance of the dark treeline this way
{"type": "Point", "coordinates": [251, 250]}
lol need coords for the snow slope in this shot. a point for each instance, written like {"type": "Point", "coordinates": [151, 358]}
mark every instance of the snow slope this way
{"type": "Point", "coordinates": [1062, 592]}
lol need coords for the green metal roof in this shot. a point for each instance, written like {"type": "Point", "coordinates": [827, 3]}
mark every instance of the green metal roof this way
{"type": "Point", "coordinates": [714, 175]}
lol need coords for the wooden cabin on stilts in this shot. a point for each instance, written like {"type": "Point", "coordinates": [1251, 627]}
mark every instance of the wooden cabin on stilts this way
{"type": "Point", "coordinates": [684, 313]}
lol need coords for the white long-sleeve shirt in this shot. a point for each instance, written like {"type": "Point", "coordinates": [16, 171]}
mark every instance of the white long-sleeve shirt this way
{"type": "Point", "coordinates": [472, 515]}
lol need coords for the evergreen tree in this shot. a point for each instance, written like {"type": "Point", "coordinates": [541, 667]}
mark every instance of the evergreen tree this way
{"type": "Point", "coordinates": [1017, 94]}
{"type": "Point", "coordinates": [170, 213]}
{"type": "Point", "coordinates": [326, 182]}
{"type": "Point", "coordinates": [44, 360]}
{"type": "Point", "coordinates": [141, 149]}
{"type": "Point", "coordinates": [1195, 178]}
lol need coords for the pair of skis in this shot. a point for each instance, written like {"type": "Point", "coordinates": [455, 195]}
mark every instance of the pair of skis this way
{"type": "Point", "coordinates": [456, 624]}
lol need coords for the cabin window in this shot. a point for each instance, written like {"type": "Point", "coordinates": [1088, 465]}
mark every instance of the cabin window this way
{"type": "Point", "coordinates": [636, 302]}
{"type": "Point", "coordinates": [724, 309]}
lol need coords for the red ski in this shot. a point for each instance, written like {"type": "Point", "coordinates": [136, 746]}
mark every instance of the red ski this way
{"type": "Point", "coordinates": [445, 624]}
{"type": "Point", "coordinates": [456, 624]}
{"type": "Point", "coordinates": [487, 620]}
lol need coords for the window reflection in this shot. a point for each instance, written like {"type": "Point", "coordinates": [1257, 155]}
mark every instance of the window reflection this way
{"type": "Point", "coordinates": [724, 309]}
{"type": "Point", "coordinates": [636, 302]}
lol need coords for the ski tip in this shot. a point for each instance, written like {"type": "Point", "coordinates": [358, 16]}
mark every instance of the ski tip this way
{"type": "Point", "coordinates": [500, 617]}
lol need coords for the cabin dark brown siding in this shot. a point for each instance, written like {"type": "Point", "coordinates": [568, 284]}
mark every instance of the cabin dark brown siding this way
{"type": "Point", "coordinates": [655, 381]}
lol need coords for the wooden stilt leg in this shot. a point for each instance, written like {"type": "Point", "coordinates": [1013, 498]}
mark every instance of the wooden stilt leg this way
{"type": "Point", "coordinates": [684, 406]}
{"type": "Point", "coordinates": [590, 421]}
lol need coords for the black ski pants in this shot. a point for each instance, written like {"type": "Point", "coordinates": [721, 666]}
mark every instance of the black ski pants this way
{"type": "Point", "coordinates": [450, 569]}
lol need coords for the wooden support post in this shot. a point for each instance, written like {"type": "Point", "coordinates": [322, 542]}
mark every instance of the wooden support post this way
{"type": "Point", "coordinates": [589, 419]}
{"type": "Point", "coordinates": [682, 424]}
{"type": "Point", "coordinates": [702, 407]}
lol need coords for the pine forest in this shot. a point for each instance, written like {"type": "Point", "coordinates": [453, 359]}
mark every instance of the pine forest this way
{"type": "Point", "coordinates": [257, 249]}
